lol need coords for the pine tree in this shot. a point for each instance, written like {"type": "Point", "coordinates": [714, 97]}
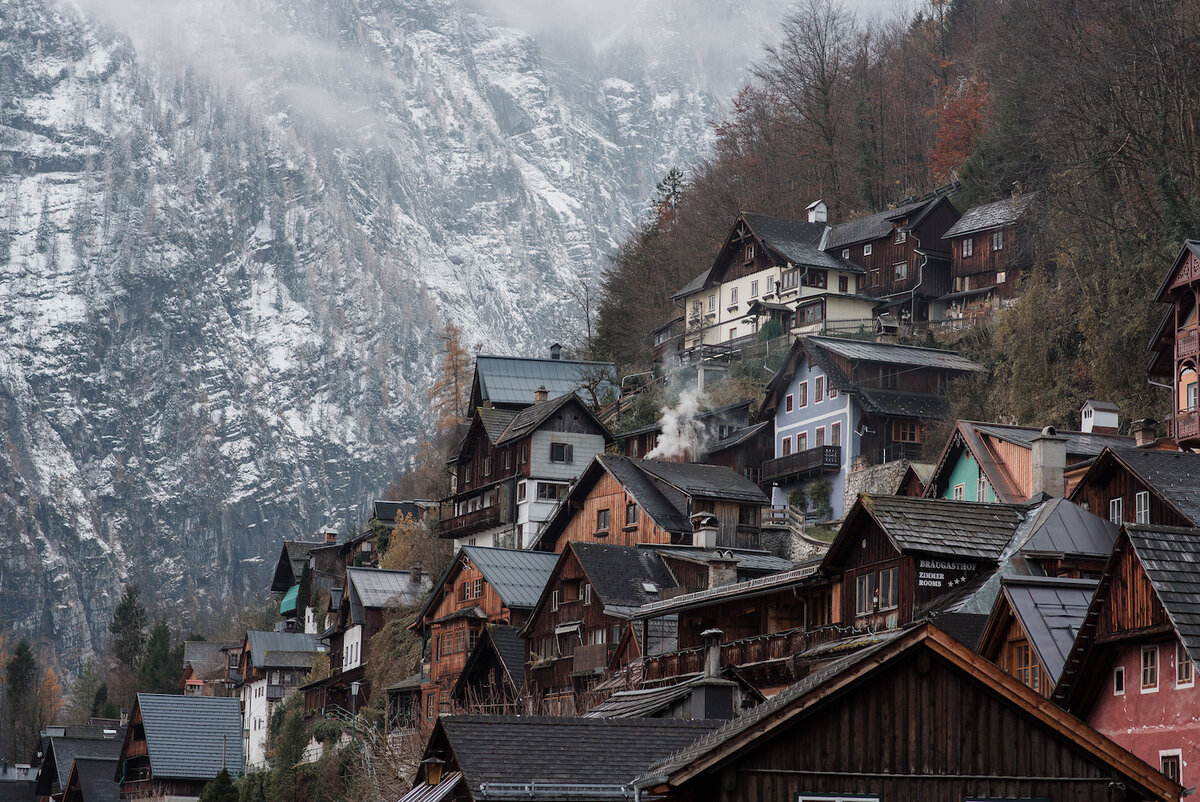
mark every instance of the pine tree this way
{"type": "Point", "coordinates": [82, 701]}
{"type": "Point", "coordinates": [449, 393]}
{"type": "Point", "coordinates": [128, 628]}
{"type": "Point", "coordinates": [20, 689]}
{"type": "Point", "coordinates": [220, 789]}
{"type": "Point", "coordinates": [159, 672]}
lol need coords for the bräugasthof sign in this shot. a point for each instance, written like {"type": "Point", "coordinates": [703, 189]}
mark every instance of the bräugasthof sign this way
{"type": "Point", "coordinates": [941, 565]}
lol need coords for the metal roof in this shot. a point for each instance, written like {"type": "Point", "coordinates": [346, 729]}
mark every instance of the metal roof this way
{"type": "Point", "coordinates": [1078, 443]}
{"type": "Point", "coordinates": [282, 649]}
{"type": "Point", "coordinates": [1064, 528]}
{"type": "Point", "coordinates": [378, 587]}
{"type": "Point", "coordinates": [513, 380]}
{"type": "Point", "coordinates": [750, 560]}
{"type": "Point", "coordinates": [944, 526]}
{"type": "Point", "coordinates": [191, 737]}
{"type": "Point", "coordinates": [1170, 556]}
{"type": "Point", "coordinates": [63, 750]}
{"type": "Point", "coordinates": [862, 350]}
{"type": "Point", "coordinates": [797, 242]}
{"type": "Point", "coordinates": [872, 227]}
{"type": "Point", "coordinates": [1051, 610]}
{"type": "Point", "coordinates": [517, 575]}
{"type": "Point", "coordinates": [999, 213]}
{"type": "Point", "coordinates": [423, 792]}
{"type": "Point", "coordinates": [642, 702]}
{"type": "Point", "coordinates": [754, 587]}
{"type": "Point", "coordinates": [96, 783]}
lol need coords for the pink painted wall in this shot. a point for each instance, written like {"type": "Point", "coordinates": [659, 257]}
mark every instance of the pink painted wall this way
{"type": "Point", "coordinates": [1147, 723]}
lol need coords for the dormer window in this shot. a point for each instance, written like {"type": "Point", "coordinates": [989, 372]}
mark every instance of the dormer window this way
{"type": "Point", "coordinates": [749, 253]}
{"type": "Point", "coordinates": [901, 236]}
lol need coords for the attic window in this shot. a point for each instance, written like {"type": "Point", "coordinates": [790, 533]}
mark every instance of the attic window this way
{"type": "Point", "coordinates": [901, 236]}
{"type": "Point", "coordinates": [749, 253]}
{"type": "Point", "coordinates": [867, 249]}
{"type": "Point", "coordinates": [650, 587]}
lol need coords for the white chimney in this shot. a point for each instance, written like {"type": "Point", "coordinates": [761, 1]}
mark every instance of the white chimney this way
{"type": "Point", "coordinates": [704, 530]}
{"type": "Point", "coordinates": [1099, 417]}
{"type": "Point", "coordinates": [712, 652]}
{"type": "Point", "coordinates": [818, 212]}
{"type": "Point", "coordinates": [1049, 462]}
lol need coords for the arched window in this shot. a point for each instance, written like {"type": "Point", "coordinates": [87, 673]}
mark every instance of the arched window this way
{"type": "Point", "coordinates": [1187, 388]}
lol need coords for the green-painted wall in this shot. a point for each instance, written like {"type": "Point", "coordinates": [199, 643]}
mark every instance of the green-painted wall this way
{"type": "Point", "coordinates": [966, 473]}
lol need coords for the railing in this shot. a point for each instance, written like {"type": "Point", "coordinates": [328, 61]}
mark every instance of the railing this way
{"type": "Point", "coordinates": [1187, 344]}
{"type": "Point", "coordinates": [1187, 425]}
{"type": "Point", "coordinates": [591, 658]}
{"type": "Point", "coordinates": [275, 693]}
{"type": "Point", "coordinates": [471, 521]}
{"type": "Point", "coordinates": [898, 451]}
{"type": "Point", "coordinates": [820, 458]}
{"type": "Point", "coordinates": [740, 653]}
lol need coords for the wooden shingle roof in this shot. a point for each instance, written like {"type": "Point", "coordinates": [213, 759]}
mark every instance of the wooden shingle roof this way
{"type": "Point", "coordinates": [946, 527]}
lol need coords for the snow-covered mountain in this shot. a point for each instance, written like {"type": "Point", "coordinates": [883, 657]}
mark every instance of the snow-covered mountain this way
{"type": "Point", "coordinates": [230, 231]}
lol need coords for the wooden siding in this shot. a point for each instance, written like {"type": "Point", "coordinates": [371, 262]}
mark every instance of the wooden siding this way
{"type": "Point", "coordinates": [1017, 461]}
{"type": "Point", "coordinates": [1100, 488]}
{"type": "Point", "coordinates": [922, 730]}
{"type": "Point", "coordinates": [609, 494]}
{"type": "Point", "coordinates": [983, 265]}
{"type": "Point", "coordinates": [1132, 603]}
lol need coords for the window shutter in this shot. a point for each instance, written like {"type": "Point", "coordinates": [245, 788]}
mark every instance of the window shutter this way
{"type": "Point", "coordinates": [570, 449]}
{"type": "Point", "coordinates": [553, 600]}
{"type": "Point", "coordinates": [587, 594]}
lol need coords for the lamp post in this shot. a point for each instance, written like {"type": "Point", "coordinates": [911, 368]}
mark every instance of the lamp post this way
{"type": "Point", "coordinates": [354, 686]}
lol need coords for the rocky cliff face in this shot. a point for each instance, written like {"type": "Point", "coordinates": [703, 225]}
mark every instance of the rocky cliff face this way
{"type": "Point", "coordinates": [230, 232]}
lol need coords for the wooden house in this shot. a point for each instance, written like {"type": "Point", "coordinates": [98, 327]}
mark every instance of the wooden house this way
{"type": "Point", "coordinates": [837, 403]}
{"type": "Point", "coordinates": [493, 678]}
{"type": "Point", "coordinates": [271, 665]}
{"type": "Point", "coordinates": [990, 246]}
{"type": "Point", "coordinates": [1135, 485]}
{"type": "Point", "coordinates": [744, 451]}
{"type": "Point", "coordinates": [707, 427]}
{"type": "Point", "coordinates": [770, 269]}
{"type": "Point", "coordinates": [175, 745]}
{"type": "Point", "coordinates": [205, 666]}
{"type": "Point", "coordinates": [1176, 344]}
{"type": "Point", "coordinates": [474, 757]}
{"type": "Point", "coordinates": [995, 462]}
{"type": "Point", "coordinates": [625, 502]}
{"type": "Point", "coordinates": [60, 746]}
{"type": "Point", "coordinates": [1131, 671]}
{"type": "Point", "coordinates": [1033, 626]}
{"type": "Point", "coordinates": [512, 467]}
{"type": "Point", "coordinates": [917, 716]}
{"type": "Point", "coordinates": [580, 615]}
{"type": "Point", "coordinates": [368, 601]}
{"type": "Point", "coordinates": [482, 586]}
{"type": "Point", "coordinates": [91, 780]}
{"type": "Point", "coordinates": [903, 254]}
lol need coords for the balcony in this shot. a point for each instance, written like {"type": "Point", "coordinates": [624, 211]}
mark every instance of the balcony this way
{"type": "Point", "coordinates": [591, 658]}
{"type": "Point", "coordinates": [1187, 426]}
{"type": "Point", "coordinates": [803, 463]}
{"type": "Point", "coordinates": [757, 651]}
{"type": "Point", "coordinates": [469, 523]}
{"type": "Point", "coordinates": [1187, 344]}
{"type": "Point", "coordinates": [274, 693]}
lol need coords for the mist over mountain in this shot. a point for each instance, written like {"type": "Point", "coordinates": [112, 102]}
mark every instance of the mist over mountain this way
{"type": "Point", "coordinates": [230, 232]}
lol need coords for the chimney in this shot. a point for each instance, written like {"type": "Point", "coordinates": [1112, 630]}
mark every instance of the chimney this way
{"type": "Point", "coordinates": [712, 653]}
{"type": "Point", "coordinates": [818, 212]}
{"type": "Point", "coordinates": [414, 573]}
{"type": "Point", "coordinates": [540, 394]}
{"type": "Point", "coordinates": [556, 351]}
{"type": "Point", "coordinates": [1049, 462]}
{"type": "Point", "coordinates": [1099, 417]}
{"type": "Point", "coordinates": [1145, 432]}
{"type": "Point", "coordinates": [330, 536]}
{"type": "Point", "coordinates": [722, 569]}
{"type": "Point", "coordinates": [704, 530]}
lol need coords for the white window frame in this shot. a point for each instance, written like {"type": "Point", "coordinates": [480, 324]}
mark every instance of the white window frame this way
{"type": "Point", "coordinates": [968, 247]}
{"type": "Point", "coordinates": [1001, 277]}
{"type": "Point", "coordinates": [960, 492]}
{"type": "Point", "coordinates": [981, 490]}
{"type": "Point", "coordinates": [1116, 509]}
{"type": "Point", "coordinates": [901, 236]}
{"type": "Point", "coordinates": [754, 288]}
{"type": "Point", "coordinates": [1146, 650]}
{"type": "Point", "coordinates": [1119, 687]}
{"type": "Point", "coordinates": [749, 252]}
{"type": "Point", "coordinates": [733, 296]}
{"type": "Point", "coordinates": [845, 253]}
{"type": "Point", "coordinates": [1182, 658]}
{"type": "Point", "coordinates": [1175, 753]}
{"type": "Point", "coordinates": [712, 303]}
{"type": "Point", "coordinates": [1141, 504]}
{"type": "Point", "coordinates": [997, 240]}
{"type": "Point", "coordinates": [867, 249]}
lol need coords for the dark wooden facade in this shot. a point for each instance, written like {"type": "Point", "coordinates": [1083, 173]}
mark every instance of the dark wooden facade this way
{"type": "Point", "coordinates": [1108, 479]}
{"type": "Point", "coordinates": [985, 265]}
{"type": "Point", "coordinates": [1177, 344]}
{"type": "Point", "coordinates": [922, 727]}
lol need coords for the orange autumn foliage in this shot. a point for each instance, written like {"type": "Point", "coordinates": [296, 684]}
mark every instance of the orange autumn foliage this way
{"type": "Point", "coordinates": [959, 121]}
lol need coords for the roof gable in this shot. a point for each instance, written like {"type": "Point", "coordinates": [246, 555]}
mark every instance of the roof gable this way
{"type": "Point", "coordinates": [509, 381]}
{"type": "Point", "coordinates": [532, 418]}
{"type": "Point", "coordinates": [1172, 476]}
{"type": "Point", "coordinates": [997, 214]}
{"type": "Point", "coordinates": [517, 575]}
{"type": "Point", "coordinates": [1050, 611]}
{"type": "Point", "coordinates": [1063, 528]}
{"type": "Point", "coordinates": [190, 737]}
{"type": "Point", "coordinates": [1184, 270]}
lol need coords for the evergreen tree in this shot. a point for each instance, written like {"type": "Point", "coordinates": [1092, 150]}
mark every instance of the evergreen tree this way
{"type": "Point", "coordinates": [102, 706]}
{"type": "Point", "coordinates": [128, 628]}
{"type": "Point", "coordinates": [20, 691]}
{"type": "Point", "coordinates": [220, 789]}
{"type": "Point", "coordinates": [82, 701]}
{"type": "Point", "coordinates": [159, 671]}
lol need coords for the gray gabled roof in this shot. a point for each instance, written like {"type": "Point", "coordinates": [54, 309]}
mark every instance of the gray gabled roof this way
{"type": "Point", "coordinates": [64, 750]}
{"type": "Point", "coordinates": [696, 284]}
{"type": "Point", "coordinates": [1063, 528]}
{"type": "Point", "coordinates": [1170, 556]}
{"type": "Point", "coordinates": [191, 737]}
{"type": "Point", "coordinates": [495, 421]}
{"type": "Point", "coordinates": [946, 527]}
{"type": "Point", "coordinates": [705, 481]}
{"type": "Point", "coordinates": [886, 353]}
{"type": "Point", "coordinates": [1175, 475]}
{"type": "Point", "coordinates": [997, 214]}
{"type": "Point", "coordinates": [207, 656]}
{"type": "Point", "coordinates": [281, 649]}
{"type": "Point", "coordinates": [378, 588]}
{"type": "Point", "coordinates": [645, 492]}
{"type": "Point", "coordinates": [619, 574]}
{"type": "Point", "coordinates": [511, 380]}
{"type": "Point", "coordinates": [550, 750]}
{"type": "Point", "coordinates": [531, 418]}
{"type": "Point", "coordinates": [1051, 610]}
{"type": "Point", "coordinates": [517, 575]}
{"type": "Point", "coordinates": [1085, 444]}
{"type": "Point", "coordinates": [797, 242]}
{"type": "Point", "coordinates": [872, 227]}
{"type": "Point", "coordinates": [96, 783]}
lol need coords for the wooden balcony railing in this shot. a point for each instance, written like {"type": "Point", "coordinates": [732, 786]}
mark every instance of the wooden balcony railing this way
{"type": "Point", "coordinates": [751, 651]}
{"type": "Point", "coordinates": [1187, 425]}
{"type": "Point", "coordinates": [469, 522]}
{"type": "Point", "coordinates": [811, 460]}
{"type": "Point", "coordinates": [1187, 343]}
{"type": "Point", "coordinates": [591, 658]}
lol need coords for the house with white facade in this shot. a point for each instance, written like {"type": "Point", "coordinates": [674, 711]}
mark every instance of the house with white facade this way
{"type": "Point", "coordinates": [273, 664]}
{"type": "Point", "coordinates": [840, 403]}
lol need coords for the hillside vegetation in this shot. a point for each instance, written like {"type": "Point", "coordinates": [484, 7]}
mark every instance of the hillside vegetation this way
{"type": "Point", "coordinates": [1092, 103]}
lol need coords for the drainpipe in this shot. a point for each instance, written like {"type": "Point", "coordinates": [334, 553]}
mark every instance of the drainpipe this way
{"type": "Point", "coordinates": [920, 277]}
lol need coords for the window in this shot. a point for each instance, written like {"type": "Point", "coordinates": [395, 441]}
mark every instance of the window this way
{"type": "Point", "coordinates": [906, 431]}
{"type": "Point", "coordinates": [572, 590]}
{"type": "Point", "coordinates": [747, 515]}
{"type": "Point", "coordinates": [1169, 762]}
{"type": "Point", "coordinates": [968, 247]}
{"type": "Point", "coordinates": [1001, 277]}
{"type": "Point", "coordinates": [997, 240]}
{"type": "Point", "coordinates": [802, 441]}
{"type": "Point", "coordinates": [813, 313]}
{"type": "Point", "coordinates": [553, 601]}
{"type": "Point", "coordinates": [587, 595]}
{"type": "Point", "coordinates": [754, 288]}
{"type": "Point", "coordinates": [790, 279]}
{"type": "Point", "coordinates": [889, 378]}
{"type": "Point", "coordinates": [845, 253]}
{"type": "Point", "coordinates": [901, 270]}
{"type": "Point", "coordinates": [561, 452]}
{"type": "Point", "coordinates": [835, 434]}
{"type": "Point", "coordinates": [1114, 509]}
{"type": "Point", "coordinates": [1119, 681]}
{"type": "Point", "coordinates": [843, 284]}
{"type": "Point", "coordinates": [487, 467]}
{"type": "Point", "coordinates": [733, 296]}
{"type": "Point", "coordinates": [602, 521]}
{"type": "Point", "coordinates": [1184, 677]}
{"type": "Point", "coordinates": [507, 459]}
{"type": "Point", "coordinates": [818, 389]}
{"type": "Point", "coordinates": [549, 491]}
{"type": "Point", "coordinates": [819, 437]}
{"type": "Point", "coordinates": [631, 514]}
{"type": "Point", "coordinates": [831, 391]}
{"type": "Point", "coordinates": [867, 249]}
{"type": "Point", "coordinates": [1025, 665]}
{"type": "Point", "coordinates": [787, 447]}
{"type": "Point", "coordinates": [712, 303]}
{"type": "Point", "coordinates": [889, 591]}
{"type": "Point", "coordinates": [862, 594]}
{"type": "Point", "coordinates": [749, 252]}
{"type": "Point", "coordinates": [981, 490]}
{"type": "Point", "coordinates": [815, 278]}
{"type": "Point", "coordinates": [803, 393]}
{"type": "Point", "coordinates": [789, 403]}
{"type": "Point", "coordinates": [960, 492]}
{"type": "Point", "coordinates": [430, 702]}
{"type": "Point", "coordinates": [520, 491]}
{"type": "Point", "coordinates": [1149, 669]}
{"type": "Point", "coordinates": [1141, 504]}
